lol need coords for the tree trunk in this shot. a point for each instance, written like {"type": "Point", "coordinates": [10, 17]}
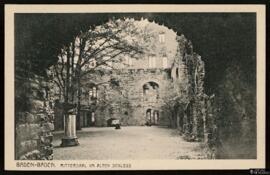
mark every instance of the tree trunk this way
{"type": "Point", "coordinates": [78, 82]}
{"type": "Point", "coordinates": [177, 121]}
{"type": "Point", "coordinates": [72, 71]}
{"type": "Point", "coordinates": [66, 96]}
{"type": "Point", "coordinates": [78, 117]}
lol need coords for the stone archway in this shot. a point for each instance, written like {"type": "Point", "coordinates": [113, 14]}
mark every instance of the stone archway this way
{"type": "Point", "coordinates": [151, 100]}
{"type": "Point", "coordinates": [150, 92]}
{"type": "Point", "coordinates": [148, 116]}
{"type": "Point", "coordinates": [154, 80]}
{"type": "Point", "coordinates": [154, 84]}
{"type": "Point", "coordinates": [156, 117]}
{"type": "Point", "coordinates": [152, 116]}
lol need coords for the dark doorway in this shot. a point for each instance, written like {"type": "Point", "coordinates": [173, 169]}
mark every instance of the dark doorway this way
{"type": "Point", "coordinates": [152, 116]}
{"type": "Point", "coordinates": [88, 119]}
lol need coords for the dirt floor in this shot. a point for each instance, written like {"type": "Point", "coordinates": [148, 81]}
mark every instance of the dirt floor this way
{"type": "Point", "coordinates": [128, 143]}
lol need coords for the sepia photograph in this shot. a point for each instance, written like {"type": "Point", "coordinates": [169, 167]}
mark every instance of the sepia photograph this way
{"type": "Point", "coordinates": [132, 85]}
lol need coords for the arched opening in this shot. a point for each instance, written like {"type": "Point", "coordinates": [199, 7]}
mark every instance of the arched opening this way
{"type": "Point", "coordinates": [161, 37]}
{"type": "Point", "coordinates": [92, 92]}
{"type": "Point", "coordinates": [151, 91]}
{"type": "Point", "coordinates": [148, 115]}
{"type": "Point", "coordinates": [152, 117]}
{"type": "Point", "coordinates": [156, 117]}
{"type": "Point", "coordinates": [87, 116]}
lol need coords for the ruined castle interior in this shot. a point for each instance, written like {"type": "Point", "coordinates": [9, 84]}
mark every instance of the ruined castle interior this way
{"type": "Point", "coordinates": [146, 84]}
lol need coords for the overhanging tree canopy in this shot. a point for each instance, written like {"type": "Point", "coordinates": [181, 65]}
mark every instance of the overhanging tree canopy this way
{"type": "Point", "coordinates": [93, 51]}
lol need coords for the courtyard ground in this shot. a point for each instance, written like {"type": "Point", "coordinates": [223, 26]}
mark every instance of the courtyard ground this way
{"type": "Point", "coordinates": [128, 143]}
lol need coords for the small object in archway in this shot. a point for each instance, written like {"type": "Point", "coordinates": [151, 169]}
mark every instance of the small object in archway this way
{"type": "Point", "coordinates": [148, 123]}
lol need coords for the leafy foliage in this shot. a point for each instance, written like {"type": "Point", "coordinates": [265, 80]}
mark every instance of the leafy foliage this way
{"type": "Point", "coordinates": [93, 52]}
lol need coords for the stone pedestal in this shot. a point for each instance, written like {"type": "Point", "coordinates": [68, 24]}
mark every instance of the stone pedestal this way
{"type": "Point", "coordinates": [70, 138]}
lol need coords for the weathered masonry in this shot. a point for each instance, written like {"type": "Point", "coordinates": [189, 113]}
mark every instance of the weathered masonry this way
{"type": "Point", "coordinates": [34, 126]}
{"type": "Point", "coordinates": [138, 99]}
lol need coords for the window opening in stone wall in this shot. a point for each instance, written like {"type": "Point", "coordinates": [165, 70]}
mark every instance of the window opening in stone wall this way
{"type": "Point", "coordinates": [168, 73]}
{"type": "Point", "coordinates": [151, 91]}
{"type": "Point", "coordinates": [152, 62]}
{"type": "Point", "coordinates": [92, 93]}
{"type": "Point", "coordinates": [161, 37]}
{"type": "Point", "coordinates": [177, 72]}
{"type": "Point", "coordinates": [155, 117]}
{"type": "Point", "coordinates": [148, 116]}
{"type": "Point", "coordinates": [145, 89]}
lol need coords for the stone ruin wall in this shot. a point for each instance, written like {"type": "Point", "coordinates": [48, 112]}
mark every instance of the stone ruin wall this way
{"type": "Point", "coordinates": [127, 101]}
{"type": "Point", "coordinates": [195, 115]}
{"type": "Point", "coordinates": [33, 132]}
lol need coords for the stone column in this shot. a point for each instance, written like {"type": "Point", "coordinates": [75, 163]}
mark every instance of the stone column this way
{"type": "Point", "coordinates": [70, 138]}
{"type": "Point", "coordinates": [152, 120]}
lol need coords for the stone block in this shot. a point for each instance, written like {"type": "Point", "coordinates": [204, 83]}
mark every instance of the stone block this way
{"type": "Point", "coordinates": [28, 146]}
{"type": "Point", "coordinates": [42, 116]}
{"type": "Point", "coordinates": [48, 150]}
{"type": "Point", "coordinates": [33, 155]}
{"type": "Point", "coordinates": [50, 157]}
{"type": "Point", "coordinates": [47, 139]}
{"type": "Point", "coordinates": [27, 131]}
{"type": "Point", "coordinates": [30, 118]}
{"type": "Point", "coordinates": [47, 127]}
{"type": "Point", "coordinates": [20, 118]}
{"type": "Point", "coordinates": [36, 106]}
